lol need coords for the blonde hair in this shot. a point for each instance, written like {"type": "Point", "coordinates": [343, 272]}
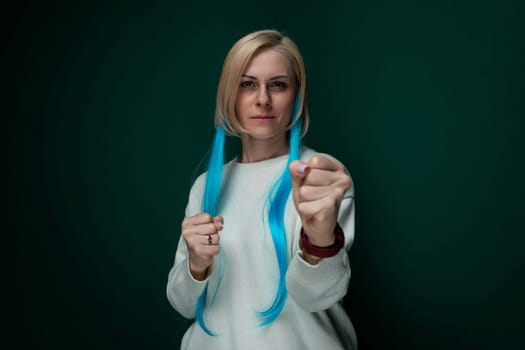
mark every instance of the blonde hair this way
{"type": "Point", "coordinates": [234, 66]}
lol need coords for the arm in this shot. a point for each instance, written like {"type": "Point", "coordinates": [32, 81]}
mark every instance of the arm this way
{"type": "Point", "coordinates": [183, 289]}
{"type": "Point", "coordinates": [323, 195]}
{"type": "Point", "coordinates": [188, 276]}
{"type": "Point", "coordinates": [318, 286]}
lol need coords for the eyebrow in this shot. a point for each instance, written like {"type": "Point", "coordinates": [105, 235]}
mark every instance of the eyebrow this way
{"type": "Point", "coordinates": [272, 78]}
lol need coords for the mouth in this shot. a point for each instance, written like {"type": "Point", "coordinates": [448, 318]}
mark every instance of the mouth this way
{"type": "Point", "coordinates": [262, 117]}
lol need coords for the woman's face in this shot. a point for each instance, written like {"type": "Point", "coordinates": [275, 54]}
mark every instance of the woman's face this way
{"type": "Point", "coordinates": [266, 95]}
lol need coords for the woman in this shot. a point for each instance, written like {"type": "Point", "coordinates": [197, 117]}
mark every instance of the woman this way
{"type": "Point", "coordinates": [262, 261]}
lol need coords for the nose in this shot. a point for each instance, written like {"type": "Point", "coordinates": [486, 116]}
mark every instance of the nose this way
{"type": "Point", "coordinates": [263, 97]}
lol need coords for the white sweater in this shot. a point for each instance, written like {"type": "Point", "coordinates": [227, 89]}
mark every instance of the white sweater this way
{"type": "Point", "coordinates": [312, 318]}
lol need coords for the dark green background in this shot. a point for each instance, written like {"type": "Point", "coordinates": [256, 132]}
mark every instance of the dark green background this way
{"type": "Point", "coordinates": [113, 107]}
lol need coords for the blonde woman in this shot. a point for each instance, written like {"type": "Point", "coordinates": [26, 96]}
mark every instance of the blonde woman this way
{"type": "Point", "coordinates": [262, 260]}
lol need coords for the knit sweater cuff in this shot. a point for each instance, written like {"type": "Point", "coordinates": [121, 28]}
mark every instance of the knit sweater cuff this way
{"type": "Point", "coordinates": [328, 271]}
{"type": "Point", "coordinates": [199, 284]}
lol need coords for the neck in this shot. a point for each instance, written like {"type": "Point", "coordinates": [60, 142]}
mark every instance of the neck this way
{"type": "Point", "coordinates": [258, 150]}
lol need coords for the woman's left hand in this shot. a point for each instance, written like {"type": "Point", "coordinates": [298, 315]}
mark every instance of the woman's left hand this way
{"type": "Point", "coordinates": [318, 187]}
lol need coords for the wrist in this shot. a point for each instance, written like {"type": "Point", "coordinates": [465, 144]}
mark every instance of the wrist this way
{"type": "Point", "coordinates": [198, 274]}
{"type": "Point", "coordinates": [310, 249]}
{"type": "Point", "coordinates": [323, 242]}
{"type": "Point", "coordinates": [310, 259]}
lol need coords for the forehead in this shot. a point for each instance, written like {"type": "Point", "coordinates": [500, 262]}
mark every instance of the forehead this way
{"type": "Point", "coordinates": [269, 62]}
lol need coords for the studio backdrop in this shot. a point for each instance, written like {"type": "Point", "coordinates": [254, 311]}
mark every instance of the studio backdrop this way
{"type": "Point", "coordinates": [114, 104]}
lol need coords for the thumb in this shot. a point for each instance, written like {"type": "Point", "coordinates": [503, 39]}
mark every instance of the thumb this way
{"type": "Point", "coordinates": [219, 222]}
{"type": "Point", "coordinates": [298, 171]}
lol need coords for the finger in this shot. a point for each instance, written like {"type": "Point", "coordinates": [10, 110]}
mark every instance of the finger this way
{"type": "Point", "coordinates": [336, 179]}
{"type": "Point", "coordinates": [319, 177]}
{"type": "Point", "coordinates": [219, 222]}
{"type": "Point", "coordinates": [307, 193]}
{"type": "Point", "coordinates": [203, 229]}
{"type": "Point", "coordinates": [201, 246]}
{"type": "Point", "coordinates": [202, 218]}
{"type": "Point", "coordinates": [298, 171]}
{"type": "Point", "coordinates": [210, 239]}
{"type": "Point", "coordinates": [322, 208]}
{"type": "Point", "coordinates": [325, 163]}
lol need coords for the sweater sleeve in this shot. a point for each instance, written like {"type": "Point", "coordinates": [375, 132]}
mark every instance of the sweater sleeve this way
{"type": "Point", "coordinates": [182, 289]}
{"type": "Point", "coordinates": [318, 287]}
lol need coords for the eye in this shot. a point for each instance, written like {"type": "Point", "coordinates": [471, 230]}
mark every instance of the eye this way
{"type": "Point", "coordinates": [247, 84]}
{"type": "Point", "coordinates": [279, 85]}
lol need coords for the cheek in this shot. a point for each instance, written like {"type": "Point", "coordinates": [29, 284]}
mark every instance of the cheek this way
{"type": "Point", "coordinates": [287, 107]}
{"type": "Point", "coordinates": [239, 108]}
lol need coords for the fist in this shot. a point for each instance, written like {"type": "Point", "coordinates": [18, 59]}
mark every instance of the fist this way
{"type": "Point", "coordinates": [318, 187]}
{"type": "Point", "coordinates": [201, 233]}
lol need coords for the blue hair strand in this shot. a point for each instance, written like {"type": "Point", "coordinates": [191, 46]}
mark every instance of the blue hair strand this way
{"type": "Point", "coordinates": [209, 205]}
{"type": "Point", "coordinates": [276, 203]}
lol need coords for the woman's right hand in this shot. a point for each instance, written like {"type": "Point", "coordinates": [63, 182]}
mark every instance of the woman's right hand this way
{"type": "Point", "coordinates": [201, 233]}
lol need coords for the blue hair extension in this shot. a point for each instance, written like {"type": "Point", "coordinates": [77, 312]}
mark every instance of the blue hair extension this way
{"type": "Point", "coordinates": [277, 198]}
{"type": "Point", "coordinates": [209, 205]}
{"type": "Point", "coordinates": [214, 175]}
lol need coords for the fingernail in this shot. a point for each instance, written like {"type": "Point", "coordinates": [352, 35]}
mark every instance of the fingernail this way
{"type": "Point", "coordinates": [301, 168]}
{"type": "Point", "coordinates": [219, 224]}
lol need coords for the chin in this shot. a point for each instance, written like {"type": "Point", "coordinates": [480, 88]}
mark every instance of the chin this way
{"type": "Point", "coordinates": [265, 136]}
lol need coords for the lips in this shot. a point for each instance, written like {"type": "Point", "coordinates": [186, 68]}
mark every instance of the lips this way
{"type": "Point", "coordinates": [262, 117]}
